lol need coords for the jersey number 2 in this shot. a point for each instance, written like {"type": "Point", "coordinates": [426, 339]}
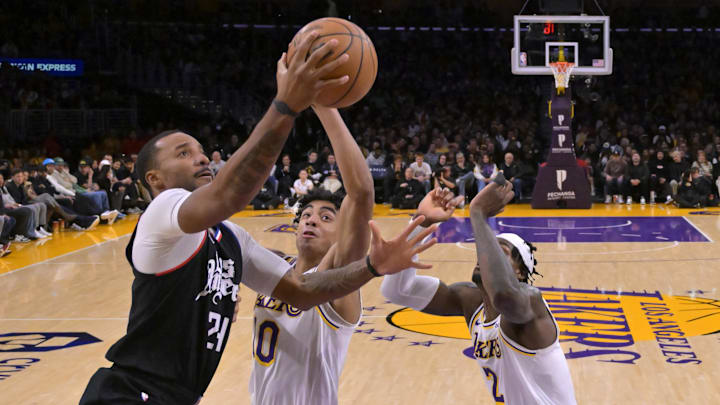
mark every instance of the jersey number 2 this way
{"type": "Point", "coordinates": [265, 349]}
{"type": "Point", "coordinates": [498, 397]}
{"type": "Point", "coordinates": [219, 327]}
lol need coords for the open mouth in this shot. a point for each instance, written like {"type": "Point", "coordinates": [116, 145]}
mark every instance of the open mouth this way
{"type": "Point", "coordinates": [205, 173]}
{"type": "Point", "coordinates": [309, 235]}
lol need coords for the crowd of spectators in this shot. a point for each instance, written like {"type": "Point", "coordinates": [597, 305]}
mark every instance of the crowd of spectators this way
{"type": "Point", "coordinates": [445, 111]}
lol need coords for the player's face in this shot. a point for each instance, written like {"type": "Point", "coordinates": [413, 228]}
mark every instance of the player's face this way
{"type": "Point", "coordinates": [181, 163]}
{"type": "Point", "coordinates": [317, 227]}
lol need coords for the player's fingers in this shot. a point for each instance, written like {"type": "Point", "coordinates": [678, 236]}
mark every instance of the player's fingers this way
{"type": "Point", "coordinates": [331, 66]}
{"type": "Point", "coordinates": [455, 202]}
{"type": "Point", "coordinates": [422, 235]}
{"type": "Point", "coordinates": [321, 84]}
{"type": "Point", "coordinates": [376, 237]}
{"type": "Point", "coordinates": [408, 229]}
{"type": "Point", "coordinates": [302, 49]}
{"type": "Point", "coordinates": [282, 63]}
{"type": "Point", "coordinates": [421, 266]}
{"type": "Point", "coordinates": [320, 53]}
{"type": "Point", "coordinates": [425, 246]}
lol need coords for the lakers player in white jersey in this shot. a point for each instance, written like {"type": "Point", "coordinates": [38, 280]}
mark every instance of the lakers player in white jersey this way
{"type": "Point", "coordinates": [299, 355]}
{"type": "Point", "coordinates": [515, 337]}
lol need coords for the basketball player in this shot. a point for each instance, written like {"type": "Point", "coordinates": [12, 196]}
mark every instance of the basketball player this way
{"type": "Point", "coordinates": [299, 355]}
{"type": "Point", "coordinates": [188, 261]}
{"type": "Point", "coordinates": [515, 337]}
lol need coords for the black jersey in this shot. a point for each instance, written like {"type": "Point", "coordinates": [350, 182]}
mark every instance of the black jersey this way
{"type": "Point", "coordinates": [180, 318]}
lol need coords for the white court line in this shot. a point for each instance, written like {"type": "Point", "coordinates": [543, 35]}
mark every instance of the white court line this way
{"type": "Point", "coordinates": [634, 235]}
{"type": "Point", "coordinates": [501, 223]}
{"type": "Point", "coordinates": [65, 254]}
{"type": "Point", "coordinates": [697, 229]}
{"type": "Point", "coordinates": [590, 233]}
{"type": "Point", "coordinates": [674, 244]}
{"type": "Point", "coordinates": [661, 238]}
{"type": "Point", "coordinates": [544, 233]}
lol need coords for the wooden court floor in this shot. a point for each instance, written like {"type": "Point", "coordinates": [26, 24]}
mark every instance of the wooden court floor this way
{"type": "Point", "coordinates": [638, 318]}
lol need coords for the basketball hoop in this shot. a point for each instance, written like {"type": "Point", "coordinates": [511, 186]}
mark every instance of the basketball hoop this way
{"type": "Point", "coordinates": [562, 72]}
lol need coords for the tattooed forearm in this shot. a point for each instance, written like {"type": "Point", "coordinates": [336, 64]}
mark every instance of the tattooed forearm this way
{"type": "Point", "coordinates": [248, 168]}
{"type": "Point", "coordinates": [323, 286]}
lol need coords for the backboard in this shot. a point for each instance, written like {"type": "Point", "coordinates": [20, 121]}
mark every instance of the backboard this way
{"type": "Point", "coordinates": [541, 39]}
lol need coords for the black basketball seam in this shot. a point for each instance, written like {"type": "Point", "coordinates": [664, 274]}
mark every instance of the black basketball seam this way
{"type": "Point", "coordinates": [339, 33]}
{"type": "Point", "coordinates": [362, 56]}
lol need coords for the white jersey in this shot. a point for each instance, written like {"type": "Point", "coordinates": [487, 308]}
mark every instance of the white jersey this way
{"type": "Point", "coordinates": [298, 355]}
{"type": "Point", "coordinates": [516, 375]}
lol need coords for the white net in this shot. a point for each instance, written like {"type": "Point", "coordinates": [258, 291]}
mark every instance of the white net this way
{"type": "Point", "coordinates": [562, 72]}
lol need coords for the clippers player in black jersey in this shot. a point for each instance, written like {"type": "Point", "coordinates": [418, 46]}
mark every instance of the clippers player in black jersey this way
{"type": "Point", "coordinates": [188, 261]}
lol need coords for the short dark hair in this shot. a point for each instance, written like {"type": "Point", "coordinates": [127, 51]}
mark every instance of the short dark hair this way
{"type": "Point", "coordinates": [15, 171]}
{"type": "Point", "coordinates": [146, 158]}
{"type": "Point", "coordinates": [318, 194]}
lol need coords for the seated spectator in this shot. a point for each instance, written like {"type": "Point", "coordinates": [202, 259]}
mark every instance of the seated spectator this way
{"type": "Point", "coordinates": [421, 170]}
{"type": "Point", "coordinates": [216, 162]}
{"type": "Point", "coordinates": [463, 175]}
{"type": "Point", "coordinates": [705, 168]}
{"type": "Point", "coordinates": [677, 168]}
{"type": "Point", "coordinates": [84, 202]}
{"type": "Point", "coordinates": [284, 174]}
{"type": "Point", "coordinates": [659, 178]}
{"type": "Point", "coordinates": [484, 171]}
{"type": "Point", "coordinates": [441, 163]}
{"type": "Point", "coordinates": [40, 212]}
{"type": "Point", "coordinates": [376, 157]}
{"type": "Point", "coordinates": [637, 184]}
{"type": "Point", "coordinates": [312, 167]}
{"type": "Point", "coordinates": [331, 180]}
{"type": "Point", "coordinates": [395, 173]}
{"type": "Point", "coordinates": [24, 216]}
{"type": "Point", "coordinates": [302, 185]}
{"type": "Point", "coordinates": [408, 191]}
{"type": "Point", "coordinates": [6, 226]}
{"type": "Point", "coordinates": [687, 195]}
{"type": "Point", "coordinates": [512, 172]}
{"type": "Point", "coordinates": [443, 178]}
{"type": "Point", "coordinates": [132, 203]}
{"type": "Point", "coordinates": [615, 174]}
{"type": "Point", "coordinates": [266, 199]}
{"type": "Point", "coordinates": [84, 176]}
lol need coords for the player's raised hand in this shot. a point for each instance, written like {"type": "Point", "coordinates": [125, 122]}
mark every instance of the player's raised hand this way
{"type": "Point", "coordinates": [492, 199]}
{"type": "Point", "coordinates": [393, 256]}
{"type": "Point", "coordinates": [438, 206]}
{"type": "Point", "coordinates": [300, 80]}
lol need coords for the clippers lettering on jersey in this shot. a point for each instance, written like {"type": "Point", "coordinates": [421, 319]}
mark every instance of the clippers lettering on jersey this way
{"type": "Point", "coordinates": [276, 305]}
{"type": "Point", "coordinates": [220, 280]}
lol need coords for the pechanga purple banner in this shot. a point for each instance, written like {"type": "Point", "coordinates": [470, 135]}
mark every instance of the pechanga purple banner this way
{"type": "Point", "coordinates": [561, 183]}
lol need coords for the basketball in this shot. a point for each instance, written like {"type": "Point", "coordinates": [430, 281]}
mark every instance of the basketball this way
{"type": "Point", "coordinates": [361, 67]}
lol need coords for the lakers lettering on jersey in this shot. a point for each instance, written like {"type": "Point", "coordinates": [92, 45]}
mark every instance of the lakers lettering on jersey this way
{"type": "Point", "coordinates": [299, 355]}
{"type": "Point", "coordinates": [517, 375]}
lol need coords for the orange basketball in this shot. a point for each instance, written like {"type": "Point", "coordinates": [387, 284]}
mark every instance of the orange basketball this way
{"type": "Point", "coordinates": [361, 67]}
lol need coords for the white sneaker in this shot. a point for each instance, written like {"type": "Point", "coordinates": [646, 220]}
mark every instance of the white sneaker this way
{"type": "Point", "coordinates": [41, 231]}
{"type": "Point", "coordinates": [620, 199]}
{"type": "Point", "coordinates": [21, 239]}
{"type": "Point", "coordinates": [668, 200]}
{"type": "Point", "coordinates": [629, 200]}
{"type": "Point", "coordinates": [608, 199]}
{"type": "Point", "coordinates": [109, 216]}
{"type": "Point", "coordinates": [76, 227]}
{"type": "Point", "coordinates": [642, 200]}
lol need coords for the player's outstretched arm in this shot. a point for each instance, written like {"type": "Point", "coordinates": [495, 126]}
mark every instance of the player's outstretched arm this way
{"type": "Point", "coordinates": [510, 297]}
{"type": "Point", "coordinates": [248, 168]}
{"type": "Point", "coordinates": [426, 293]}
{"type": "Point", "coordinates": [356, 210]}
{"type": "Point", "coordinates": [386, 257]}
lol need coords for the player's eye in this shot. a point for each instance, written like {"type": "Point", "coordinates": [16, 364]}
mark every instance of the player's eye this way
{"type": "Point", "coordinates": [183, 154]}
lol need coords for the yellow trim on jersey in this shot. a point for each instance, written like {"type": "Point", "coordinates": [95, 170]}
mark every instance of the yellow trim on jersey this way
{"type": "Point", "coordinates": [515, 348]}
{"type": "Point", "coordinates": [325, 319]}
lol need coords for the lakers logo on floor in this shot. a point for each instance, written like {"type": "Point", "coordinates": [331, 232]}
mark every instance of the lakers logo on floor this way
{"type": "Point", "coordinates": [604, 325]}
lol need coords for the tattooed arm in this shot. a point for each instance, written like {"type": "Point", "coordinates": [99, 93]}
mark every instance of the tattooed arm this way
{"type": "Point", "coordinates": [247, 169]}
